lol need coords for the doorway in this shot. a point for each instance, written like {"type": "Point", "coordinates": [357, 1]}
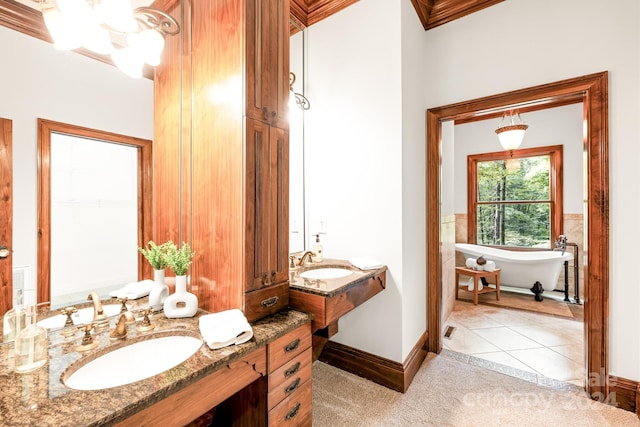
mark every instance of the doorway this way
{"type": "Point", "coordinates": [592, 91]}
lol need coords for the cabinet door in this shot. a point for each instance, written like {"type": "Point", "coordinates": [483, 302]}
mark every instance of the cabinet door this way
{"type": "Point", "coordinates": [279, 232]}
{"type": "Point", "coordinates": [267, 205]}
{"type": "Point", "coordinates": [267, 61]}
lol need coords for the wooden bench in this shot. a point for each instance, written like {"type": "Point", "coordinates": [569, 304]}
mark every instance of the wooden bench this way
{"type": "Point", "coordinates": [477, 274]}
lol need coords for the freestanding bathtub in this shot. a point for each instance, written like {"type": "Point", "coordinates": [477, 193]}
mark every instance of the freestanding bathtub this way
{"type": "Point", "coordinates": [521, 269]}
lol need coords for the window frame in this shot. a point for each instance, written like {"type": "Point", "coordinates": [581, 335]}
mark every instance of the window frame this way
{"type": "Point", "coordinates": [144, 149]}
{"type": "Point", "coordinates": [555, 153]}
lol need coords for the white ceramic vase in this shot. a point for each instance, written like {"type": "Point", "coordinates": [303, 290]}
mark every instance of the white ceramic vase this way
{"type": "Point", "coordinates": [181, 303]}
{"type": "Point", "coordinates": [159, 291]}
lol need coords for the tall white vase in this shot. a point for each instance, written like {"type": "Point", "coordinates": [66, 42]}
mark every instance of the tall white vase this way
{"type": "Point", "coordinates": [181, 303]}
{"type": "Point", "coordinates": [159, 291]}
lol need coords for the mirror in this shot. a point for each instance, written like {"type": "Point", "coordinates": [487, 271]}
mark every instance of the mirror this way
{"type": "Point", "coordinates": [297, 217]}
{"type": "Point", "coordinates": [69, 88]}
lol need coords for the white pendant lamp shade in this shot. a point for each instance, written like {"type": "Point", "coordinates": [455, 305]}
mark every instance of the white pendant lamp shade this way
{"type": "Point", "coordinates": [511, 136]}
{"type": "Point", "coordinates": [132, 37]}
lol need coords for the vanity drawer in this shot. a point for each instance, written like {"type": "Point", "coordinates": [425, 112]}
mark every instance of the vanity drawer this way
{"type": "Point", "coordinates": [295, 410]}
{"type": "Point", "coordinates": [288, 346]}
{"type": "Point", "coordinates": [266, 301]}
{"type": "Point", "coordinates": [289, 378]}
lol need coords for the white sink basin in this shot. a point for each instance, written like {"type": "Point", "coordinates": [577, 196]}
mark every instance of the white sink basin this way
{"type": "Point", "coordinates": [326, 273]}
{"type": "Point", "coordinates": [134, 362]}
{"type": "Point", "coordinates": [84, 315]}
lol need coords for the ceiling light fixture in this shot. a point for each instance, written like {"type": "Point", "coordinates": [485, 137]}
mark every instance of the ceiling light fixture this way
{"type": "Point", "coordinates": [301, 100]}
{"type": "Point", "coordinates": [511, 135]}
{"type": "Point", "coordinates": [132, 37]}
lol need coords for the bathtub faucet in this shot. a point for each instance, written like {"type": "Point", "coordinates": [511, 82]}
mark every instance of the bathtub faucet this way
{"type": "Point", "coordinates": [561, 243]}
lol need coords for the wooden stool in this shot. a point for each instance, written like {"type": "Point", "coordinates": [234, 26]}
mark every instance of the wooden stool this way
{"type": "Point", "coordinates": [477, 274]}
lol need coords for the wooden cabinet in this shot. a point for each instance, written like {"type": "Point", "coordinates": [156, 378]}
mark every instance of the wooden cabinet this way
{"type": "Point", "coordinates": [221, 151]}
{"type": "Point", "coordinates": [267, 61]}
{"type": "Point", "coordinates": [267, 205]}
{"type": "Point", "coordinates": [289, 389]}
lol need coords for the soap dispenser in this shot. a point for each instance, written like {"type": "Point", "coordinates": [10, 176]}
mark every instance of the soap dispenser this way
{"type": "Point", "coordinates": [317, 250]}
{"type": "Point", "coordinates": [14, 319]}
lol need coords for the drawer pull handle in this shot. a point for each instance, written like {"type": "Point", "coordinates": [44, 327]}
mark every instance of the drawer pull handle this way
{"type": "Point", "coordinates": [293, 412]}
{"type": "Point", "coordinates": [269, 302]}
{"type": "Point", "coordinates": [273, 276]}
{"type": "Point", "coordinates": [292, 370]}
{"type": "Point", "coordinates": [265, 278]}
{"type": "Point", "coordinates": [292, 345]}
{"type": "Point", "coordinates": [294, 385]}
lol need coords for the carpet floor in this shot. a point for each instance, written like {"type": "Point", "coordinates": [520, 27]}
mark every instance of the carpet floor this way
{"type": "Point", "coordinates": [446, 392]}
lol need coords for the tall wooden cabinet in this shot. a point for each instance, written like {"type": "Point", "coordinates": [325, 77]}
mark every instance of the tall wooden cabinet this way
{"type": "Point", "coordinates": [221, 150]}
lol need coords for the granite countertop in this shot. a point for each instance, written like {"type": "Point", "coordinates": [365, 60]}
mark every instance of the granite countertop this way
{"type": "Point", "coordinates": [330, 287]}
{"type": "Point", "coordinates": [39, 398]}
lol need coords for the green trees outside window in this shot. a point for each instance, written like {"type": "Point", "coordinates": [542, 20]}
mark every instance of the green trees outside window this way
{"type": "Point", "coordinates": [515, 199]}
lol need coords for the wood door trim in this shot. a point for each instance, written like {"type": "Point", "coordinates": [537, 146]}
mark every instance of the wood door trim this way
{"type": "Point", "coordinates": [45, 127]}
{"type": "Point", "coordinates": [6, 211]}
{"type": "Point", "coordinates": [593, 89]}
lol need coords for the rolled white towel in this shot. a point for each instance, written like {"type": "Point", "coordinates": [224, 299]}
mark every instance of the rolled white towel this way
{"type": "Point", "coordinates": [470, 285]}
{"type": "Point", "coordinates": [490, 266]}
{"type": "Point", "coordinates": [471, 263]}
{"type": "Point", "coordinates": [133, 290]}
{"type": "Point", "coordinates": [225, 328]}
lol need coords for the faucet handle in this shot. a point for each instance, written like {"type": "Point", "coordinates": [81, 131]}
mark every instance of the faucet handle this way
{"type": "Point", "coordinates": [68, 311]}
{"type": "Point", "coordinates": [145, 325]}
{"type": "Point", "coordinates": [123, 301]}
{"type": "Point", "coordinates": [88, 342]}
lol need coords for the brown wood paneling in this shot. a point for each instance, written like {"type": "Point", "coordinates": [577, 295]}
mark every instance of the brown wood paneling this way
{"type": "Point", "coordinates": [266, 301]}
{"type": "Point", "coordinates": [295, 410]}
{"type": "Point", "coordinates": [594, 90]}
{"type": "Point", "coordinates": [288, 346]}
{"type": "Point", "coordinates": [344, 302]}
{"type": "Point", "coordinates": [433, 13]}
{"type": "Point", "coordinates": [288, 378]}
{"type": "Point", "coordinates": [393, 375]}
{"type": "Point", "coordinates": [217, 169]}
{"type": "Point", "coordinates": [622, 393]}
{"type": "Point", "coordinates": [308, 12]}
{"type": "Point", "coordinates": [193, 401]}
{"type": "Point", "coordinates": [6, 213]}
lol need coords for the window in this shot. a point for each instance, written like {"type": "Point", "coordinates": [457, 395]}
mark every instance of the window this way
{"type": "Point", "coordinates": [515, 200]}
{"type": "Point", "coordinates": [94, 210]}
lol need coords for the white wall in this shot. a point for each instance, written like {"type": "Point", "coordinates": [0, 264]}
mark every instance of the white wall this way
{"type": "Point", "coordinates": [519, 43]}
{"type": "Point", "coordinates": [353, 143]}
{"type": "Point", "coordinates": [554, 126]}
{"type": "Point", "coordinates": [36, 81]}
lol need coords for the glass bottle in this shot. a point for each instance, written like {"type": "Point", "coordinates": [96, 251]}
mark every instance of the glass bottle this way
{"type": "Point", "coordinates": [14, 319]}
{"type": "Point", "coordinates": [31, 345]}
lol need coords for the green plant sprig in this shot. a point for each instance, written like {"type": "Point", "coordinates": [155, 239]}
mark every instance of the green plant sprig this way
{"type": "Point", "coordinates": [179, 260]}
{"type": "Point", "coordinates": [156, 255]}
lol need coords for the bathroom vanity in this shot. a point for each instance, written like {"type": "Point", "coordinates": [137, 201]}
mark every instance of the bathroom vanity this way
{"type": "Point", "coordinates": [328, 299]}
{"type": "Point", "coordinates": [265, 381]}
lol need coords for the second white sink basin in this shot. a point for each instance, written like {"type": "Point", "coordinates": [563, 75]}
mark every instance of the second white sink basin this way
{"type": "Point", "coordinates": [134, 362]}
{"type": "Point", "coordinates": [82, 316]}
{"type": "Point", "coordinates": [326, 273]}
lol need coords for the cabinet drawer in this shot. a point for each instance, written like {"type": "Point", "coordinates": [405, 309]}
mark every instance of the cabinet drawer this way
{"type": "Point", "coordinates": [295, 410]}
{"type": "Point", "coordinates": [266, 301]}
{"type": "Point", "coordinates": [288, 378]}
{"type": "Point", "coordinates": [288, 346]}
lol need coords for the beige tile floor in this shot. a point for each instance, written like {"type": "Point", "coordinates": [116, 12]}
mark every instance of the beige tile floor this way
{"type": "Point", "coordinates": [540, 344]}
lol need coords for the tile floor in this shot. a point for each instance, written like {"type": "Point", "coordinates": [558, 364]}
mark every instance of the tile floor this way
{"type": "Point", "coordinates": [539, 346]}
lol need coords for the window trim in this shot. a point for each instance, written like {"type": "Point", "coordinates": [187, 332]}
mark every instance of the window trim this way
{"type": "Point", "coordinates": [555, 153]}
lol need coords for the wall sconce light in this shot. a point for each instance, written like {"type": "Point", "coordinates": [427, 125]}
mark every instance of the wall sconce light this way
{"type": "Point", "coordinates": [301, 100]}
{"type": "Point", "coordinates": [511, 135]}
{"type": "Point", "coordinates": [132, 37]}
